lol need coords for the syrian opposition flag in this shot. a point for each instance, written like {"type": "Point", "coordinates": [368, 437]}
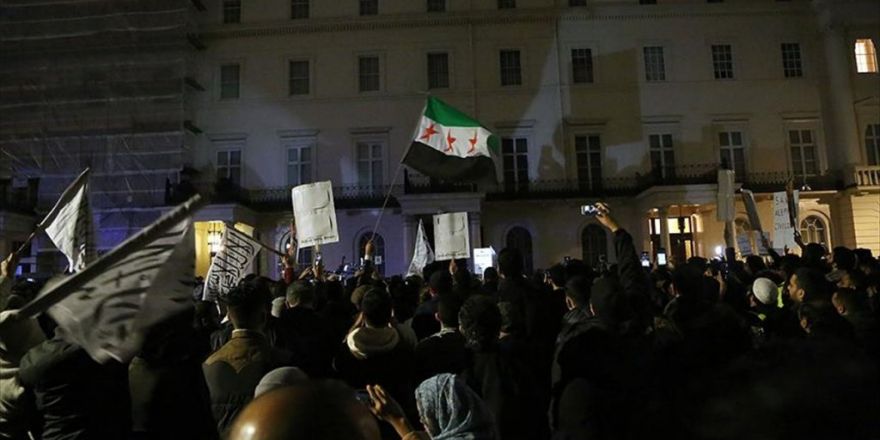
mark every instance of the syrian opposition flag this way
{"type": "Point", "coordinates": [231, 264]}
{"type": "Point", "coordinates": [69, 224]}
{"type": "Point", "coordinates": [422, 254]}
{"type": "Point", "coordinates": [450, 145]}
{"type": "Point", "coordinates": [108, 307]}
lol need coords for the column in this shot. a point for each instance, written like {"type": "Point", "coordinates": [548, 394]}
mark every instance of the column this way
{"type": "Point", "coordinates": [409, 238]}
{"type": "Point", "coordinates": [664, 229]}
{"type": "Point", "coordinates": [838, 97]}
{"type": "Point", "coordinates": [474, 229]}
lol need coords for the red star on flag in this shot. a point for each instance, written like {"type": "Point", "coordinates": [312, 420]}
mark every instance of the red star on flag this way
{"type": "Point", "coordinates": [449, 140]}
{"type": "Point", "coordinates": [429, 131]}
{"type": "Point", "coordinates": [473, 142]}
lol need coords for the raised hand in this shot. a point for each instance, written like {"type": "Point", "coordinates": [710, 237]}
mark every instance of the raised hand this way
{"type": "Point", "coordinates": [604, 217]}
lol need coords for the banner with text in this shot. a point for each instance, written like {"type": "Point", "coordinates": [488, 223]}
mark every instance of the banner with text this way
{"type": "Point", "coordinates": [231, 264]}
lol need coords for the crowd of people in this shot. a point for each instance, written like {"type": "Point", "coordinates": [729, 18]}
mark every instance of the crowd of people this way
{"type": "Point", "coordinates": [778, 348]}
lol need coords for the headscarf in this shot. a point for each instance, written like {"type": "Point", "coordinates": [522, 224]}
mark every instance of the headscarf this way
{"type": "Point", "coordinates": [452, 411]}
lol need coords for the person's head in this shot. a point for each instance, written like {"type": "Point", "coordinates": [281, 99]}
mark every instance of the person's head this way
{"type": "Point", "coordinates": [278, 378]}
{"type": "Point", "coordinates": [687, 280]}
{"type": "Point", "coordinates": [850, 302]}
{"type": "Point", "coordinates": [479, 321]}
{"type": "Point", "coordinates": [448, 408]}
{"type": "Point", "coordinates": [755, 264]}
{"type": "Point", "coordinates": [510, 263]}
{"type": "Point", "coordinates": [843, 258]}
{"type": "Point", "coordinates": [300, 293]}
{"type": "Point", "coordinates": [306, 410]}
{"type": "Point", "coordinates": [376, 307]}
{"type": "Point", "coordinates": [556, 276]}
{"type": "Point", "coordinates": [813, 255]}
{"type": "Point", "coordinates": [605, 300]}
{"type": "Point", "coordinates": [808, 285]}
{"type": "Point", "coordinates": [765, 291]}
{"type": "Point", "coordinates": [812, 314]}
{"type": "Point", "coordinates": [490, 275]}
{"type": "Point", "coordinates": [577, 293]}
{"type": "Point", "coordinates": [440, 283]}
{"type": "Point", "coordinates": [247, 305]}
{"type": "Point", "coordinates": [448, 307]}
{"type": "Point", "coordinates": [865, 259]}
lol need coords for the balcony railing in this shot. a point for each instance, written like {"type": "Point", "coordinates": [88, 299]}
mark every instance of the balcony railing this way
{"type": "Point", "coordinates": [864, 176]}
{"type": "Point", "coordinates": [354, 196]}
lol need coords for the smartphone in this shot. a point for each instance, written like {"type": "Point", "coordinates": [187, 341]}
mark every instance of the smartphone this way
{"type": "Point", "coordinates": [589, 210]}
{"type": "Point", "coordinates": [646, 260]}
{"type": "Point", "coordinates": [661, 257]}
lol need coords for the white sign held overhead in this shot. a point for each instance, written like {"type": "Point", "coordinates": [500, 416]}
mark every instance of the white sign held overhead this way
{"type": "Point", "coordinates": [484, 258]}
{"type": "Point", "coordinates": [315, 214]}
{"type": "Point", "coordinates": [744, 243]}
{"type": "Point", "coordinates": [451, 236]}
{"type": "Point", "coordinates": [726, 208]}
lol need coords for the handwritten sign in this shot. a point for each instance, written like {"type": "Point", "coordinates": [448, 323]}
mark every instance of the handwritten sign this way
{"type": "Point", "coordinates": [315, 214]}
{"type": "Point", "coordinates": [783, 232]}
{"type": "Point", "coordinates": [484, 258]}
{"type": "Point", "coordinates": [744, 243]}
{"type": "Point", "coordinates": [451, 236]}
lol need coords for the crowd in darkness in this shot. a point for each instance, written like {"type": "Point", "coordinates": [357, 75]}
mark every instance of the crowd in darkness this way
{"type": "Point", "coordinates": [785, 347]}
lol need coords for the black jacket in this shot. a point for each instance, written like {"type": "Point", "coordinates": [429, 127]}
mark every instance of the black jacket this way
{"type": "Point", "coordinates": [77, 397]}
{"type": "Point", "coordinates": [443, 352]}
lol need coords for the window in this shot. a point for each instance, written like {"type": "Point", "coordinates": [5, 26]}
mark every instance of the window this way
{"type": "Point", "coordinates": [511, 72]}
{"type": "Point", "coordinates": [733, 155]}
{"type": "Point", "coordinates": [369, 163]}
{"type": "Point", "coordinates": [369, 7]}
{"type": "Point", "coordinates": [872, 143]}
{"type": "Point", "coordinates": [368, 73]}
{"type": "Point", "coordinates": [515, 161]}
{"type": "Point", "coordinates": [791, 60]}
{"type": "Point", "coordinates": [581, 66]}
{"type": "Point", "coordinates": [378, 250]}
{"type": "Point", "coordinates": [506, 4]}
{"type": "Point", "coordinates": [577, 2]}
{"type": "Point", "coordinates": [813, 231]}
{"type": "Point", "coordinates": [299, 162]}
{"type": "Point", "coordinates": [231, 11]}
{"type": "Point", "coordinates": [436, 5]}
{"type": "Point", "coordinates": [298, 78]}
{"type": "Point", "coordinates": [438, 70]}
{"type": "Point", "coordinates": [593, 245]}
{"type": "Point", "coordinates": [866, 56]}
{"type": "Point", "coordinates": [804, 160]}
{"type": "Point", "coordinates": [588, 152]}
{"type": "Point", "coordinates": [722, 61]}
{"type": "Point", "coordinates": [229, 81]}
{"type": "Point", "coordinates": [299, 9]}
{"type": "Point", "coordinates": [662, 156]}
{"type": "Point", "coordinates": [519, 238]}
{"type": "Point", "coordinates": [229, 165]}
{"type": "Point", "coordinates": [655, 66]}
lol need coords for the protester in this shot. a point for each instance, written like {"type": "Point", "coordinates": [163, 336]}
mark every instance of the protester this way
{"type": "Point", "coordinates": [233, 372]}
{"type": "Point", "coordinates": [444, 351]}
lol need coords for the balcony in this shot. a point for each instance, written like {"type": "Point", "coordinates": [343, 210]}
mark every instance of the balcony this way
{"type": "Point", "coordinates": [864, 176]}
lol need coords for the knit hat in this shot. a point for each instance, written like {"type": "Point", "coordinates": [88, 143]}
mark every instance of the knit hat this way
{"type": "Point", "coordinates": [765, 291]}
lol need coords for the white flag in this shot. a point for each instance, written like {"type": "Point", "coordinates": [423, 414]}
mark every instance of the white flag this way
{"type": "Point", "coordinates": [231, 264]}
{"type": "Point", "coordinates": [422, 255]}
{"type": "Point", "coordinates": [451, 236]}
{"type": "Point", "coordinates": [69, 224]}
{"type": "Point", "coordinates": [109, 307]}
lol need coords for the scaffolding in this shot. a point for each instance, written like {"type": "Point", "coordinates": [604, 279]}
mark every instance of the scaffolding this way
{"type": "Point", "coordinates": [97, 83]}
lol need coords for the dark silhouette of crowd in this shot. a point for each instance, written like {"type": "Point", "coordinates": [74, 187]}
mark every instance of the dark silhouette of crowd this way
{"type": "Point", "coordinates": [785, 347]}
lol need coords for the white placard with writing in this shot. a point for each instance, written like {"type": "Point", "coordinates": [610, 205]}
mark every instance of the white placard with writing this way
{"type": "Point", "coordinates": [315, 214]}
{"type": "Point", "coordinates": [451, 236]}
{"type": "Point", "coordinates": [743, 243]}
{"type": "Point", "coordinates": [783, 233]}
{"type": "Point", "coordinates": [483, 258]}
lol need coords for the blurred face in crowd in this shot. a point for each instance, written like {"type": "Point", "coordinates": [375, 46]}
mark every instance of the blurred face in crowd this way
{"type": "Point", "coordinates": [794, 289]}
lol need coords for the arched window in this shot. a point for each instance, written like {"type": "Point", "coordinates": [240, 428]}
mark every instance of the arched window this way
{"type": "Point", "coordinates": [594, 243]}
{"type": "Point", "coordinates": [378, 252]}
{"type": "Point", "coordinates": [872, 143]}
{"type": "Point", "coordinates": [520, 238]}
{"type": "Point", "coordinates": [813, 230]}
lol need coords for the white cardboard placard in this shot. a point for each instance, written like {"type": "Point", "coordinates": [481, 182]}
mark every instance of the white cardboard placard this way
{"type": "Point", "coordinates": [315, 214]}
{"type": "Point", "coordinates": [451, 236]}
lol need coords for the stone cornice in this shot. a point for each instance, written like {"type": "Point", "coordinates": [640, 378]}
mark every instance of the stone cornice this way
{"type": "Point", "coordinates": [495, 17]}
